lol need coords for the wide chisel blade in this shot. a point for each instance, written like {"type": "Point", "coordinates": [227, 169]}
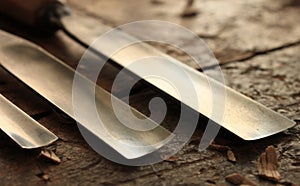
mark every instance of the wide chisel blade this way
{"type": "Point", "coordinates": [242, 116]}
{"type": "Point", "coordinates": [53, 80]}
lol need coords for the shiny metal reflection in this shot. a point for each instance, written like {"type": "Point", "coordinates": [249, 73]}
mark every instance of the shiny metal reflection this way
{"type": "Point", "coordinates": [20, 127]}
{"type": "Point", "coordinates": [244, 117]}
{"type": "Point", "coordinates": [53, 80]}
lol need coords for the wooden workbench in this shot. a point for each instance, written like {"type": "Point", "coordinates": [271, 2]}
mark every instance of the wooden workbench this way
{"type": "Point", "coordinates": [258, 45]}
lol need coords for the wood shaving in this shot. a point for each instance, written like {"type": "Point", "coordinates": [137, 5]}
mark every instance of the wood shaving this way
{"type": "Point", "coordinates": [223, 148]}
{"type": "Point", "coordinates": [230, 156]}
{"type": "Point", "coordinates": [268, 165]}
{"type": "Point", "coordinates": [219, 147]}
{"type": "Point", "coordinates": [237, 179]}
{"type": "Point", "coordinates": [169, 159]}
{"type": "Point", "coordinates": [50, 155]}
{"type": "Point", "coordinates": [44, 177]}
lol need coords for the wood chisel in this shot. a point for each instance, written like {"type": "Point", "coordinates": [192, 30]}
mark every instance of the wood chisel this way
{"type": "Point", "coordinates": [53, 80]}
{"type": "Point", "coordinates": [244, 117]}
{"type": "Point", "coordinates": [20, 127]}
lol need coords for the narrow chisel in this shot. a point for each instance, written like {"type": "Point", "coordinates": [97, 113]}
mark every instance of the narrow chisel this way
{"type": "Point", "coordinates": [20, 127]}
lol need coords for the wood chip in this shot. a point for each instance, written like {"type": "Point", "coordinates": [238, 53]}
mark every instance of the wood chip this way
{"type": "Point", "coordinates": [223, 148]}
{"type": "Point", "coordinates": [268, 165]}
{"type": "Point", "coordinates": [50, 155]}
{"type": "Point", "coordinates": [237, 179]}
{"type": "Point", "coordinates": [219, 147]}
{"type": "Point", "coordinates": [230, 156]}
{"type": "Point", "coordinates": [44, 176]}
{"type": "Point", "coordinates": [170, 159]}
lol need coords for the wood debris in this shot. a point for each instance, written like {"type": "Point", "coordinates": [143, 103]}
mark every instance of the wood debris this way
{"type": "Point", "coordinates": [237, 179]}
{"type": "Point", "coordinates": [219, 147]}
{"type": "Point", "coordinates": [172, 158]}
{"type": "Point", "coordinates": [223, 148]}
{"type": "Point", "coordinates": [268, 165]}
{"type": "Point", "coordinates": [44, 176]}
{"type": "Point", "coordinates": [169, 159]}
{"type": "Point", "coordinates": [189, 10]}
{"type": "Point", "coordinates": [230, 156]}
{"type": "Point", "coordinates": [50, 155]}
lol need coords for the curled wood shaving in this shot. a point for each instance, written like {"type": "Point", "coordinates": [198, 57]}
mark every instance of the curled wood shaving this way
{"type": "Point", "coordinates": [237, 179]}
{"type": "Point", "coordinates": [268, 164]}
{"type": "Point", "coordinates": [50, 155]}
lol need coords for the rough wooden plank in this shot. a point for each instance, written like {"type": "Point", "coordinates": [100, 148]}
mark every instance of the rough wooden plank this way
{"type": "Point", "coordinates": [233, 29]}
{"type": "Point", "coordinates": [271, 79]}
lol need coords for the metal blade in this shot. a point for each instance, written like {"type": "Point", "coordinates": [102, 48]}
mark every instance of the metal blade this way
{"type": "Point", "coordinates": [53, 80]}
{"type": "Point", "coordinates": [244, 117]}
{"type": "Point", "coordinates": [20, 127]}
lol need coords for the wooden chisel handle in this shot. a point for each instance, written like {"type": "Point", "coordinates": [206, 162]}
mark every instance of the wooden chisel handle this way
{"type": "Point", "coordinates": [37, 13]}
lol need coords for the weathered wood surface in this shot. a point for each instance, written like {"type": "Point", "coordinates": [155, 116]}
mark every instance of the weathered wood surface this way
{"type": "Point", "coordinates": [259, 41]}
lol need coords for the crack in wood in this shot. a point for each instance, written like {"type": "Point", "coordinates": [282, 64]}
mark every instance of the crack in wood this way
{"type": "Point", "coordinates": [255, 54]}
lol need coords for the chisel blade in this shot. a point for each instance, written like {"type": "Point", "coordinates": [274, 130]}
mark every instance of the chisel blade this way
{"type": "Point", "coordinates": [20, 127]}
{"type": "Point", "coordinates": [242, 116]}
{"type": "Point", "coordinates": [53, 80]}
